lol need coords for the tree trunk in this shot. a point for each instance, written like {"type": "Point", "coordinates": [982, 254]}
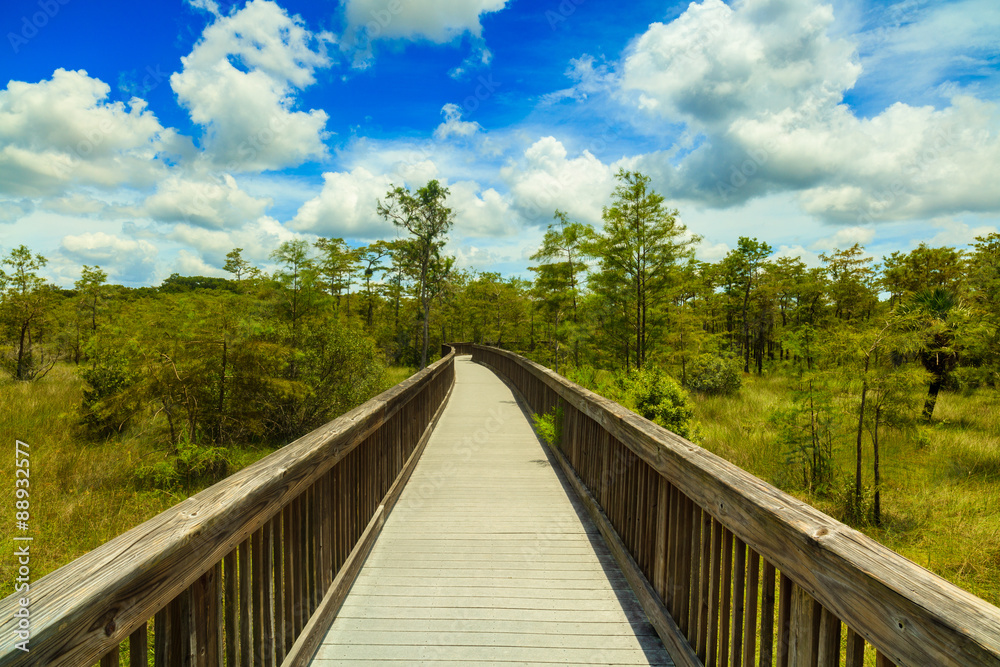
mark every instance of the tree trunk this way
{"type": "Point", "coordinates": [932, 394]}
{"type": "Point", "coordinates": [861, 424]}
{"type": "Point", "coordinates": [877, 509]}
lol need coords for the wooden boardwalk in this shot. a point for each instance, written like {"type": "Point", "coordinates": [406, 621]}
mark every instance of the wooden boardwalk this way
{"type": "Point", "coordinates": [487, 559]}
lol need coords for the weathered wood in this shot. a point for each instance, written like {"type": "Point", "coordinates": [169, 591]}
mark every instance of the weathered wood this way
{"type": "Point", "coordinates": [739, 593]}
{"type": "Point", "coordinates": [246, 604]}
{"type": "Point", "coordinates": [111, 659]}
{"type": "Point", "coordinates": [161, 638]}
{"type": "Point", "coordinates": [767, 617]}
{"type": "Point", "coordinates": [257, 596]}
{"type": "Point", "coordinates": [121, 584]}
{"type": "Point", "coordinates": [727, 599]}
{"type": "Point", "coordinates": [288, 585]}
{"type": "Point", "coordinates": [138, 647]}
{"type": "Point", "coordinates": [750, 613]}
{"type": "Point", "coordinates": [829, 640]}
{"type": "Point", "coordinates": [910, 614]}
{"type": "Point", "coordinates": [277, 551]}
{"type": "Point", "coordinates": [660, 539]}
{"type": "Point", "coordinates": [784, 624]}
{"type": "Point", "coordinates": [714, 595]}
{"type": "Point", "coordinates": [804, 629]}
{"type": "Point", "coordinates": [855, 649]}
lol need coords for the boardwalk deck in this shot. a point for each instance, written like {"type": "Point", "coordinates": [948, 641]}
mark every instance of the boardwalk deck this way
{"type": "Point", "coordinates": [487, 558]}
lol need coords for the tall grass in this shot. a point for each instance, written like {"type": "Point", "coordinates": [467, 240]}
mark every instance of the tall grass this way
{"type": "Point", "coordinates": [940, 483]}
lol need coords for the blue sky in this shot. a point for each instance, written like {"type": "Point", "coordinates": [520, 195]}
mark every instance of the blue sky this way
{"type": "Point", "coordinates": [152, 138]}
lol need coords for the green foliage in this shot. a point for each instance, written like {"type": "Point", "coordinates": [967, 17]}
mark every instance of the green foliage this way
{"type": "Point", "coordinates": [855, 509]}
{"type": "Point", "coordinates": [807, 429]}
{"type": "Point", "coordinates": [549, 426]}
{"type": "Point", "coordinates": [109, 374]}
{"type": "Point", "coordinates": [659, 398]}
{"type": "Point", "coordinates": [712, 374]}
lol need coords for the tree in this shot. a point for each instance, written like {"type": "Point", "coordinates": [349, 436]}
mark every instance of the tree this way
{"type": "Point", "coordinates": [236, 265]}
{"type": "Point", "coordinates": [297, 282]}
{"type": "Point", "coordinates": [638, 250]}
{"type": "Point", "coordinates": [852, 282]}
{"type": "Point", "coordinates": [746, 263]}
{"type": "Point", "coordinates": [338, 264]}
{"type": "Point", "coordinates": [371, 257]}
{"type": "Point", "coordinates": [428, 220]}
{"type": "Point", "coordinates": [558, 277]}
{"type": "Point", "coordinates": [24, 298]}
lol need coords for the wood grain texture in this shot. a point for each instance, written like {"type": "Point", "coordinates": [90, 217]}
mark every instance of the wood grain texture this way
{"type": "Point", "coordinates": [913, 616]}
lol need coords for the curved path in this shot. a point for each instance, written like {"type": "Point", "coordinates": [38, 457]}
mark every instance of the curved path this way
{"type": "Point", "coordinates": [487, 558]}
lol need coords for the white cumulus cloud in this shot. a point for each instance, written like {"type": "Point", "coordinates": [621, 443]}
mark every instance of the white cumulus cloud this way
{"type": "Point", "coordinates": [240, 83]}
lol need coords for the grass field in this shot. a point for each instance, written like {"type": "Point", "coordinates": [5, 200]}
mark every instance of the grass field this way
{"type": "Point", "coordinates": [940, 483]}
{"type": "Point", "coordinates": [82, 493]}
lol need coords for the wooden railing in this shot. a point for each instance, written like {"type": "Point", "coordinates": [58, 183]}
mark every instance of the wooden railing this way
{"type": "Point", "coordinates": [732, 571]}
{"type": "Point", "coordinates": [245, 571]}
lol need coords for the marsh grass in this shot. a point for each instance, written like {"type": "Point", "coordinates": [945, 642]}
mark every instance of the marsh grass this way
{"type": "Point", "coordinates": [941, 483]}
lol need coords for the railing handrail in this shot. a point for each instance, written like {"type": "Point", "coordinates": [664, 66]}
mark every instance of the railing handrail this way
{"type": "Point", "coordinates": [912, 615]}
{"type": "Point", "coordinates": [80, 610]}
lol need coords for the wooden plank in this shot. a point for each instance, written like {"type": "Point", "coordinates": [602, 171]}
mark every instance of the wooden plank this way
{"type": "Point", "coordinates": [161, 637]}
{"type": "Point", "coordinates": [246, 604]}
{"type": "Point", "coordinates": [855, 649]}
{"type": "Point", "coordinates": [803, 629]}
{"type": "Point", "coordinates": [750, 635]}
{"type": "Point", "coordinates": [138, 647]}
{"type": "Point", "coordinates": [257, 596]}
{"type": "Point", "coordinates": [911, 614]}
{"type": "Point", "coordinates": [232, 610]}
{"type": "Point", "coordinates": [288, 585]}
{"type": "Point", "coordinates": [111, 659]}
{"type": "Point", "coordinates": [725, 611]}
{"type": "Point", "coordinates": [784, 627]}
{"type": "Point", "coordinates": [661, 539]}
{"type": "Point", "coordinates": [714, 595]}
{"type": "Point", "coordinates": [739, 600]}
{"type": "Point", "coordinates": [829, 640]}
{"type": "Point", "coordinates": [277, 553]}
{"type": "Point", "coordinates": [134, 575]}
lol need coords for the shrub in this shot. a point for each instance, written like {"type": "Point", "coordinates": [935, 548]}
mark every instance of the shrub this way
{"type": "Point", "coordinates": [549, 426]}
{"type": "Point", "coordinates": [710, 374]}
{"type": "Point", "coordinates": [659, 398]}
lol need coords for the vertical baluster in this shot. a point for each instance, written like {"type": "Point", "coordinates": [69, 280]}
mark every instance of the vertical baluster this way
{"type": "Point", "coordinates": [727, 591]}
{"type": "Point", "coordinates": [804, 629]}
{"type": "Point", "coordinates": [739, 600]}
{"type": "Point", "coordinates": [829, 640]}
{"type": "Point", "coordinates": [138, 646]}
{"type": "Point", "coordinates": [278, 562]}
{"type": "Point", "coordinates": [661, 538]}
{"type": "Point", "coordinates": [299, 575]}
{"type": "Point", "coordinates": [695, 573]}
{"type": "Point", "coordinates": [288, 587]}
{"type": "Point", "coordinates": [246, 605]}
{"type": "Point", "coordinates": [784, 628]}
{"type": "Point", "coordinates": [855, 649]}
{"type": "Point", "coordinates": [257, 596]}
{"type": "Point", "coordinates": [714, 595]}
{"type": "Point", "coordinates": [111, 658]}
{"type": "Point", "coordinates": [750, 614]}
{"type": "Point", "coordinates": [882, 661]}
{"type": "Point", "coordinates": [267, 598]}
{"type": "Point", "coordinates": [232, 609]}
{"type": "Point", "coordinates": [202, 617]}
{"type": "Point", "coordinates": [703, 586]}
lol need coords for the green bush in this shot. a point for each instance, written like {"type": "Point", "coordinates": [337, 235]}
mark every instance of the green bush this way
{"type": "Point", "coordinates": [659, 398]}
{"type": "Point", "coordinates": [549, 426]}
{"type": "Point", "coordinates": [190, 465]}
{"type": "Point", "coordinates": [710, 374]}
